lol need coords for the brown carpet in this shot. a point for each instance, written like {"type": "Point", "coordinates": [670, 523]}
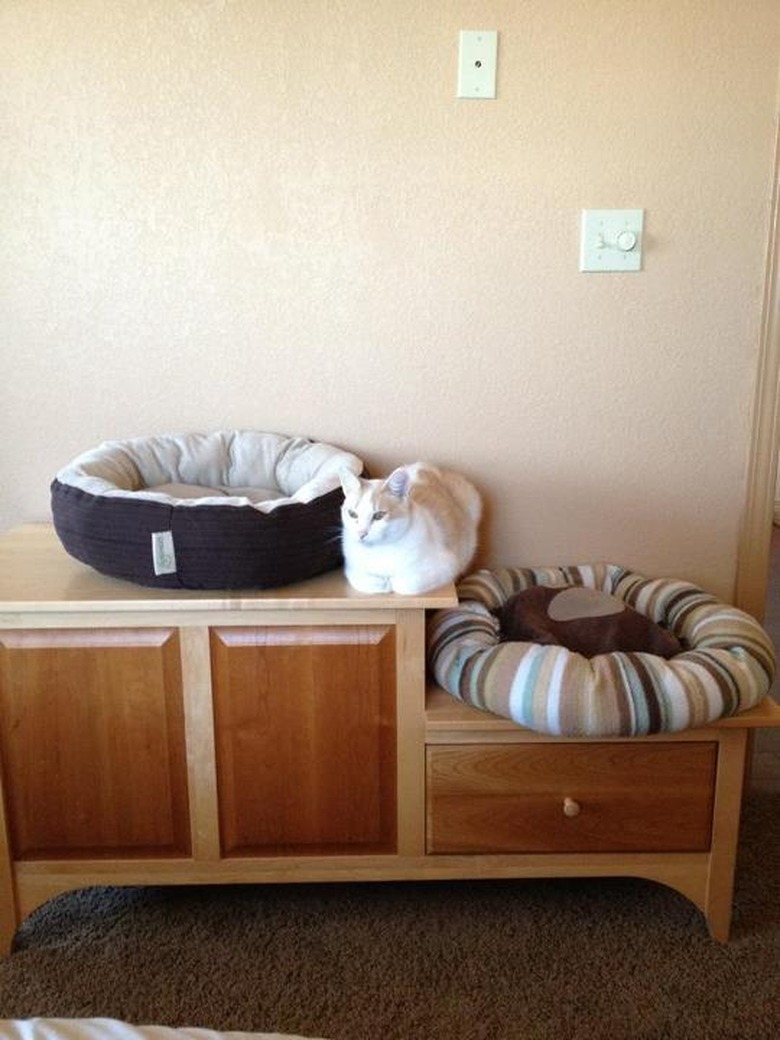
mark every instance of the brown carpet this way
{"type": "Point", "coordinates": [532, 960]}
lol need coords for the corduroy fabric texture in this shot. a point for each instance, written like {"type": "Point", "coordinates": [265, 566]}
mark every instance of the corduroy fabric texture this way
{"type": "Point", "coordinates": [269, 514]}
{"type": "Point", "coordinates": [727, 664]}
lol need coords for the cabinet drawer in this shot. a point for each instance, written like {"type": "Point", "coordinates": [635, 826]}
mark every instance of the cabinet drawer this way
{"type": "Point", "coordinates": [573, 797]}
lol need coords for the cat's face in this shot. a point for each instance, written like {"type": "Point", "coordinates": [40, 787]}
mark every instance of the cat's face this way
{"type": "Point", "coordinates": [372, 512]}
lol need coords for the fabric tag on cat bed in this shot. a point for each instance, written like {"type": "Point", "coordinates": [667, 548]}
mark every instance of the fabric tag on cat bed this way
{"type": "Point", "coordinates": [163, 554]}
{"type": "Point", "coordinates": [585, 621]}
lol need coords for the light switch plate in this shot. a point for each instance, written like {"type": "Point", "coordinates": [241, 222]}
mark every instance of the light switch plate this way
{"type": "Point", "coordinates": [477, 63]}
{"type": "Point", "coordinates": [611, 239]}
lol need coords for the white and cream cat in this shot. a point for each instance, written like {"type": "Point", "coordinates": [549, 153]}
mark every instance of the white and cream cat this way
{"type": "Point", "coordinates": [410, 533]}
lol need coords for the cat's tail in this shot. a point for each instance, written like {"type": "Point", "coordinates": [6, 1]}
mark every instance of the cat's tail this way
{"type": "Point", "coordinates": [467, 497]}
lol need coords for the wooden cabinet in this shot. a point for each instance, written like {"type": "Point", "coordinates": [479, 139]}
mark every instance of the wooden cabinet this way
{"type": "Point", "coordinates": [93, 745]}
{"type": "Point", "coordinates": [156, 737]}
{"type": "Point", "coordinates": [150, 736]}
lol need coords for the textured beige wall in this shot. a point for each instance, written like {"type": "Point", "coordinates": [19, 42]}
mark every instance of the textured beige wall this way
{"type": "Point", "coordinates": [249, 213]}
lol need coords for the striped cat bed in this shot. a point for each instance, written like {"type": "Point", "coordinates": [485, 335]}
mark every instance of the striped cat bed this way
{"type": "Point", "coordinates": [726, 664]}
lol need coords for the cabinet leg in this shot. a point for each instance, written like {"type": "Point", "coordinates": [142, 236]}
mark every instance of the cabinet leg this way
{"type": "Point", "coordinates": [9, 916]}
{"type": "Point", "coordinates": [6, 936]}
{"type": "Point", "coordinates": [732, 755]}
{"type": "Point", "coordinates": [719, 922]}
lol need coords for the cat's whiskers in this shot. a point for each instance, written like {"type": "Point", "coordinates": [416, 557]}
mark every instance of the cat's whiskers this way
{"type": "Point", "coordinates": [335, 536]}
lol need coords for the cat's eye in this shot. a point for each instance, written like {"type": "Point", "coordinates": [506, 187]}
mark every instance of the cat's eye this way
{"type": "Point", "coordinates": [352, 513]}
{"type": "Point", "coordinates": [379, 515]}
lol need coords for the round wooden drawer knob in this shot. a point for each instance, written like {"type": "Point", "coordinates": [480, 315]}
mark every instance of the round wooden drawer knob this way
{"type": "Point", "coordinates": [571, 808]}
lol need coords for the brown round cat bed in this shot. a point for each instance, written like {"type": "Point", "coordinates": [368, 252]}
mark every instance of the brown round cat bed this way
{"type": "Point", "coordinates": [229, 509]}
{"type": "Point", "coordinates": [597, 650]}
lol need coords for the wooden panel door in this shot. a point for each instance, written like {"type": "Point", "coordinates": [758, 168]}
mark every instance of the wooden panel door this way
{"type": "Point", "coordinates": [92, 743]}
{"type": "Point", "coordinates": [305, 739]}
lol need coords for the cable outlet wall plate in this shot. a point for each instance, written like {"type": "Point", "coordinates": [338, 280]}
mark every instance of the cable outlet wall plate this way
{"type": "Point", "coordinates": [477, 63]}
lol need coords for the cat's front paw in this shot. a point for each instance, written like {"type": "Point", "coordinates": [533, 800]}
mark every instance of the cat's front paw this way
{"type": "Point", "coordinates": [370, 583]}
{"type": "Point", "coordinates": [412, 585]}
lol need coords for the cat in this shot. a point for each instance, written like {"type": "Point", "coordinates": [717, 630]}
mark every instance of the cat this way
{"type": "Point", "coordinates": [409, 533]}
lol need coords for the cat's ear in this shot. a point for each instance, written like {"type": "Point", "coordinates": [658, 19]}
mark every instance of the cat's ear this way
{"type": "Point", "coordinates": [398, 482]}
{"type": "Point", "coordinates": [350, 484]}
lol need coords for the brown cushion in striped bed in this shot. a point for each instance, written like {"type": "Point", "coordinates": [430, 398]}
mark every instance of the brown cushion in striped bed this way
{"type": "Point", "coordinates": [726, 664]}
{"type": "Point", "coordinates": [587, 621]}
